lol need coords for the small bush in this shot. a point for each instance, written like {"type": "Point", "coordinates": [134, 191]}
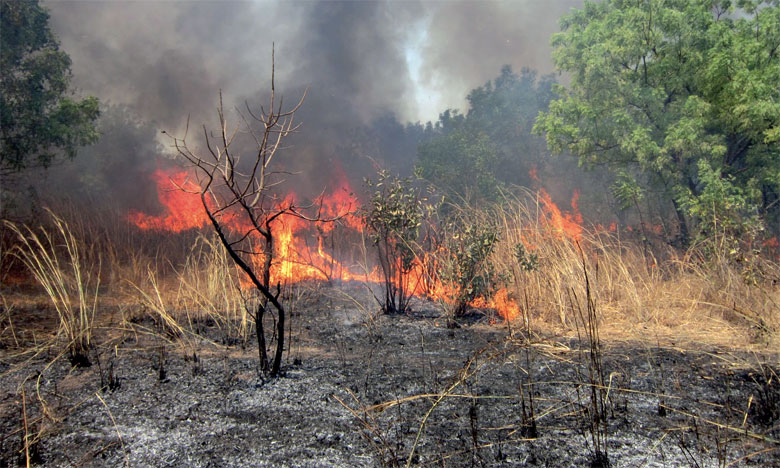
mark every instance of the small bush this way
{"type": "Point", "coordinates": [394, 217]}
{"type": "Point", "coordinates": [469, 243]}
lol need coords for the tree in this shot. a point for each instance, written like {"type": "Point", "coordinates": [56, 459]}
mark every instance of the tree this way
{"type": "Point", "coordinates": [38, 120]}
{"type": "Point", "coordinates": [672, 92]}
{"type": "Point", "coordinates": [115, 169]}
{"type": "Point", "coordinates": [492, 142]}
{"type": "Point", "coordinates": [239, 200]}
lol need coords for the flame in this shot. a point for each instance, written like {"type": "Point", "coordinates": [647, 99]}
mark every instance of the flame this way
{"type": "Point", "coordinates": [294, 260]}
{"type": "Point", "coordinates": [305, 250]}
{"type": "Point", "coordinates": [564, 224]}
{"type": "Point", "coordinates": [506, 307]}
{"type": "Point", "coordinates": [182, 210]}
{"type": "Point", "coordinates": [534, 173]}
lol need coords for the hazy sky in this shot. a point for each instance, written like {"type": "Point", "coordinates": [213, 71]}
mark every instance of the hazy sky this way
{"type": "Point", "coordinates": [360, 59]}
{"type": "Point", "coordinates": [369, 66]}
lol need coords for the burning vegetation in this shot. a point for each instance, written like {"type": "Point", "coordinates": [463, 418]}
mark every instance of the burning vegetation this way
{"type": "Point", "coordinates": [499, 306]}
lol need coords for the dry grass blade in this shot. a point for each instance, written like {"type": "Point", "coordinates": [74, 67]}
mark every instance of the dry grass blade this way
{"type": "Point", "coordinates": [116, 428]}
{"type": "Point", "coordinates": [56, 262]}
{"type": "Point", "coordinates": [371, 428]}
{"type": "Point", "coordinates": [209, 283]}
{"type": "Point", "coordinates": [738, 430]}
{"type": "Point", "coordinates": [168, 327]}
{"type": "Point", "coordinates": [26, 428]}
{"type": "Point", "coordinates": [468, 371]}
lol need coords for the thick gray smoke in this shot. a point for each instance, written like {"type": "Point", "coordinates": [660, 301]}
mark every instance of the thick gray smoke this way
{"type": "Point", "coordinates": [369, 66]}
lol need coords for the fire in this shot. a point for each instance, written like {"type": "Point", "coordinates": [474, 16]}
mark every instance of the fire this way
{"type": "Point", "coordinates": [305, 250]}
{"type": "Point", "coordinates": [183, 210]}
{"type": "Point", "coordinates": [534, 174]}
{"type": "Point", "coordinates": [294, 259]}
{"type": "Point", "coordinates": [501, 302]}
{"type": "Point", "coordinates": [565, 224]}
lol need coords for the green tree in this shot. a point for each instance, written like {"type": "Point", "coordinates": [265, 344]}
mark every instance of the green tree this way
{"type": "Point", "coordinates": [38, 120]}
{"type": "Point", "coordinates": [658, 86]}
{"type": "Point", "coordinates": [460, 160]}
{"type": "Point", "coordinates": [471, 155]}
{"type": "Point", "coordinates": [115, 170]}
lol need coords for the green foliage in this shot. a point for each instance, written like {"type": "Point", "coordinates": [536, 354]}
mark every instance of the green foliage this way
{"type": "Point", "coordinates": [468, 246]}
{"type": "Point", "coordinates": [722, 206]}
{"type": "Point", "coordinates": [116, 168]}
{"type": "Point", "coordinates": [394, 217]}
{"type": "Point", "coordinates": [528, 261]}
{"type": "Point", "coordinates": [38, 121]}
{"type": "Point", "coordinates": [729, 227]}
{"type": "Point", "coordinates": [627, 190]}
{"type": "Point", "coordinates": [658, 86]}
{"type": "Point", "coordinates": [470, 156]}
{"type": "Point", "coordinates": [462, 162]}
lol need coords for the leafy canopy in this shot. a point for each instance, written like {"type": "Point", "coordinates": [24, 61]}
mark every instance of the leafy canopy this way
{"type": "Point", "coordinates": [680, 93]}
{"type": "Point", "coordinates": [471, 155]}
{"type": "Point", "coordinates": [38, 121]}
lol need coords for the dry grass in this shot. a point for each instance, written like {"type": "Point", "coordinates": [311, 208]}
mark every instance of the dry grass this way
{"type": "Point", "coordinates": [210, 288]}
{"type": "Point", "coordinates": [182, 283]}
{"type": "Point", "coordinates": [55, 259]}
{"type": "Point", "coordinates": [684, 297]}
{"type": "Point", "coordinates": [185, 280]}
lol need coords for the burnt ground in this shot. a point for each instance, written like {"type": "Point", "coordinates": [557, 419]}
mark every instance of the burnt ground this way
{"type": "Point", "coordinates": [363, 391]}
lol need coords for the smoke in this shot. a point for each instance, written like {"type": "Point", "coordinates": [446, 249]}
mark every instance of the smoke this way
{"type": "Point", "coordinates": [468, 42]}
{"type": "Point", "coordinates": [369, 66]}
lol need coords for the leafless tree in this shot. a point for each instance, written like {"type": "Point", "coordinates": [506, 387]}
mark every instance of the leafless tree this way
{"type": "Point", "coordinates": [240, 202]}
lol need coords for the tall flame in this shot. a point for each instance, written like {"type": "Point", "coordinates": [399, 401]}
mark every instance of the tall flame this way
{"type": "Point", "coordinates": [303, 250]}
{"type": "Point", "coordinates": [567, 224]}
{"type": "Point", "coordinates": [182, 210]}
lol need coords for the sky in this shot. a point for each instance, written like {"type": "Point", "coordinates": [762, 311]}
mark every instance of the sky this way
{"type": "Point", "coordinates": [414, 59]}
{"type": "Point", "coordinates": [370, 67]}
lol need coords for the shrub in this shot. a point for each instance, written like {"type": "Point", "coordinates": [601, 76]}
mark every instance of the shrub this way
{"type": "Point", "coordinates": [394, 217]}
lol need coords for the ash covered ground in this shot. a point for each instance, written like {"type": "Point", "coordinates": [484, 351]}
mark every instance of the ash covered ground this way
{"type": "Point", "coordinates": [363, 390]}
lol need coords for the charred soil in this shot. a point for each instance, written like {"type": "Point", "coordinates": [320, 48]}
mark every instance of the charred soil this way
{"type": "Point", "coordinates": [395, 390]}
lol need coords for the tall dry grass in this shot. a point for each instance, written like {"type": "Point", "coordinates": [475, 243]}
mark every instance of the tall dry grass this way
{"type": "Point", "coordinates": [55, 257]}
{"type": "Point", "coordinates": [641, 292]}
{"type": "Point", "coordinates": [210, 289]}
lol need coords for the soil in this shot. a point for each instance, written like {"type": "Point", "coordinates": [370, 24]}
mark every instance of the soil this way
{"type": "Point", "coordinates": [364, 390]}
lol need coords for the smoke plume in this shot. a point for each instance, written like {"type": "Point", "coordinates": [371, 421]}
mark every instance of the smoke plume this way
{"type": "Point", "coordinates": [370, 67]}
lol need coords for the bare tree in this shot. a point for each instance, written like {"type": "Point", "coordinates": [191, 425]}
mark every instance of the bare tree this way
{"type": "Point", "coordinates": [239, 200]}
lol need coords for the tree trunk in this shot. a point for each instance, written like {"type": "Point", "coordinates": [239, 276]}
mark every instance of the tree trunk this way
{"type": "Point", "coordinates": [685, 238]}
{"type": "Point", "coordinates": [260, 331]}
{"type": "Point", "coordinates": [277, 364]}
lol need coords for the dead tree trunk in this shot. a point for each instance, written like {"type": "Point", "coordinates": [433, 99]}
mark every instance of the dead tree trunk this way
{"type": "Point", "coordinates": [241, 205]}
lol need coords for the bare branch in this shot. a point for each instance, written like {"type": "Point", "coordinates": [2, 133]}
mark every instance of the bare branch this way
{"type": "Point", "coordinates": [239, 198]}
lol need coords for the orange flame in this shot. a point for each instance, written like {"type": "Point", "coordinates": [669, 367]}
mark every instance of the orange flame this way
{"type": "Point", "coordinates": [183, 210]}
{"type": "Point", "coordinates": [501, 302]}
{"type": "Point", "coordinates": [300, 246]}
{"type": "Point", "coordinates": [565, 224]}
{"type": "Point", "coordinates": [294, 260]}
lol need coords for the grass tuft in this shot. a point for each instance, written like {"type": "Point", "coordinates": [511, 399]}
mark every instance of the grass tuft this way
{"type": "Point", "coordinates": [55, 258]}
